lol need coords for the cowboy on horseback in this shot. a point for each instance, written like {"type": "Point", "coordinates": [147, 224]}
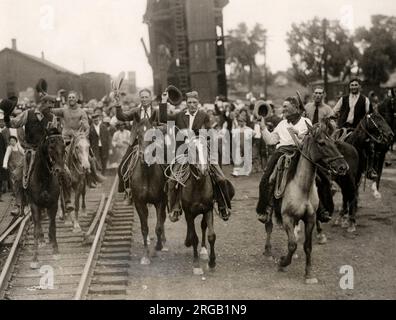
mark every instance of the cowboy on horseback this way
{"type": "Point", "coordinates": [195, 119]}
{"type": "Point", "coordinates": [350, 110]}
{"type": "Point", "coordinates": [36, 123]}
{"type": "Point", "coordinates": [281, 136]}
{"type": "Point", "coordinates": [144, 110]}
{"type": "Point", "coordinates": [75, 122]}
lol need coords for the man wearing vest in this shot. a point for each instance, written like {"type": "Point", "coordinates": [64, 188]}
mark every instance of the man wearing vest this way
{"type": "Point", "coordinates": [350, 110]}
{"type": "Point", "coordinates": [142, 111]}
{"type": "Point", "coordinates": [36, 122]}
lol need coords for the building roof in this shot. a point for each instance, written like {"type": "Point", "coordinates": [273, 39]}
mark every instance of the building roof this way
{"type": "Point", "coordinates": [39, 60]}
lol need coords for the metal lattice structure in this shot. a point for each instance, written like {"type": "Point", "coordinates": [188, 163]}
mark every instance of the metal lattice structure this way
{"type": "Point", "coordinates": [187, 46]}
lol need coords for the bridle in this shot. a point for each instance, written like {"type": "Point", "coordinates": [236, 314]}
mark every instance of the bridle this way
{"type": "Point", "coordinates": [327, 161]}
{"type": "Point", "coordinates": [380, 139]}
{"type": "Point", "coordinates": [50, 162]}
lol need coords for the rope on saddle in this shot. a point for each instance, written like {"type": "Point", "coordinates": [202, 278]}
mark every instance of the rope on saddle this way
{"type": "Point", "coordinates": [178, 172]}
{"type": "Point", "coordinates": [280, 172]}
{"type": "Point", "coordinates": [131, 160]}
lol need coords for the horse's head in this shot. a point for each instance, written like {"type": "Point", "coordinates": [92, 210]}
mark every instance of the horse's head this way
{"type": "Point", "coordinates": [53, 150]}
{"type": "Point", "coordinates": [377, 128]}
{"type": "Point", "coordinates": [143, 126]}
{"type": "Point", "coordinates": [323, 151]}
{"type": "Point", "coordinates": [199, 148]}
{"type": "Point", "coordinates": [81, 150]}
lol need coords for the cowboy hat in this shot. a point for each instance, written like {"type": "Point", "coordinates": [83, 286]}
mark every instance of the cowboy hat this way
{"type": "Point", "coordinates": [8, 105]}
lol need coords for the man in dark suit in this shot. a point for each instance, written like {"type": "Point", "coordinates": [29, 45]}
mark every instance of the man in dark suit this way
{"type": "Point", "coordinates": [194, 119]}
{"type": "Point", "coordinates": [99, 138]}
{"type": "Point", "coordinates": [142, 111]}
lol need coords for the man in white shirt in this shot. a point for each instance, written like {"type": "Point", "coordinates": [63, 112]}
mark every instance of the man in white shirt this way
{"type": "Point", "coordinates": [283, 140]}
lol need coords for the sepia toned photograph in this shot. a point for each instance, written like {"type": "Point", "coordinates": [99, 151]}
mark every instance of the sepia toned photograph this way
{"type": "Point", "coordinates": [223, 151]}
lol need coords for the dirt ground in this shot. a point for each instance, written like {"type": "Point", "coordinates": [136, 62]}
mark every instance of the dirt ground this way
{"type": "Point", "coordinates": [243, 272]}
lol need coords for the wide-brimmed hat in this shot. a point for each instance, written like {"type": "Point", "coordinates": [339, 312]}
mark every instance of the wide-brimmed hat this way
{"type": "Point", "coordinates": [8, 105]}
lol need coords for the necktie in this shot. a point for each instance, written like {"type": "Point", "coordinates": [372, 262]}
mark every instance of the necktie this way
{"type": "Point", "coordinates": [316, 115]}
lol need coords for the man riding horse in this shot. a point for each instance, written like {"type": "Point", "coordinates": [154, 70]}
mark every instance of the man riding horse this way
{"type": "Point", "coordinates": [36, 123]}
{"type": "Point", "coordinates": [194, 119]}
{"type": "Point", "coordinates": [281, 136]}
{"type": "Point", "coordinates": [350, 110]}
{"type": "Point", "coordinates": [75, 120]}
{"type": "Point", "coordinates": [144, 110]}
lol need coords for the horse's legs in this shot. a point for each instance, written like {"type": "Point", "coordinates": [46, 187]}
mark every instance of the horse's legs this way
{"type": "Point", "coordinates": [37, 233]}
{"type": "Point", "coordinates": [83, 192]}
{"type": "Point", "coordinates": [74, 214]}
{"type": "Point", "coordinates": [268, 229]}
{"type": "Point", "coordinates": [204, 251]}
{"type": "Point", "coordinates": [159, 228]}
{"type": "Point", "coordinates": [288, 225]}
{"type": "Point", "coordinates": [52, 228]}
{"type": "Point", "coordinates": [142, 210]}
{"type": "Point", "coordinates": [309, 225]}
{"type": "Point", "coordinates": [192, 239]}
{"type": "Point", "coordinates": [211, 238]}
{"type": "Point", "coordinates": [322, 239]}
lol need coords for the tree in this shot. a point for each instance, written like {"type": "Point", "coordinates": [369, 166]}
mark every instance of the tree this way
{"type": "Point", "coordinates": [242, 47]}
{"type": "Point", "coordinates": [319, 48]}
{"type": "Point", "coordinates": [378, 45]}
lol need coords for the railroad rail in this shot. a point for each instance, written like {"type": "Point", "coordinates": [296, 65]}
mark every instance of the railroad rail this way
{"type": "Point", "coordinates": [90, 265]}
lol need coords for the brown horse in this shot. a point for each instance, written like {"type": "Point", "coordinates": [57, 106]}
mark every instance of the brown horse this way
{"type": "Point", "coordinates": [197, 197]}
{"type": "Point", "coordinates": [300, 199]}
{"type": "Point", "coordinates": [147, 183]}
{"type": "Point", "coordinates": [44, 187]}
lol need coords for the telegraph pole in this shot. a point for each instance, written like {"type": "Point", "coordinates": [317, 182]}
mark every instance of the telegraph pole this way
{"type": "Point", "coordinates": [325, 78]}
{"type": "Point", "coordinates": [265, 67]}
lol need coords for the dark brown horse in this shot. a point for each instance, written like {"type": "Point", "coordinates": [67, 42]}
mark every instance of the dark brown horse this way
{"type": "Point", "coordinates": [197, 197]}
{"type": "Point", "coordinates": [44, 188]}
{"type": "Point", "coordinates": [147, 183]}
{"type": "Point", "coordinates": [371, 129]}
{"type": "Point", "coordinates": [300, 199]}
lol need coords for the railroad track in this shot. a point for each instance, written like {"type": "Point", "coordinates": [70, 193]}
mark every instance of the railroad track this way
{"type": "Point", "coordinates": [92, 264]}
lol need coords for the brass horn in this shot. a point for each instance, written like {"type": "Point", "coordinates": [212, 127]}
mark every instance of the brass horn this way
{"type": "Point", "coordinates": [261, 109]}
{"type": "Point", "coordinates": [175, 95]}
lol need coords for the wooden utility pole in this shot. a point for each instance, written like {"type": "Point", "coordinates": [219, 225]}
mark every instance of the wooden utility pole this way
{"type": "Point", "coordinates": [325, 76]}
{"type": "Point", "coordinates": [265, 68]}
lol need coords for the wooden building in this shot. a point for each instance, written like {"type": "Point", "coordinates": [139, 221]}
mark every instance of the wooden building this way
{"type": "Point", "coordinates": [187, 46]}
{"type": "Point", "coordinates": [20, 71]}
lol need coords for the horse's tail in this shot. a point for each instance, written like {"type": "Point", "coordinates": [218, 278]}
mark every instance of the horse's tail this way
{"type": "Point", "coordinates": [277, 210]}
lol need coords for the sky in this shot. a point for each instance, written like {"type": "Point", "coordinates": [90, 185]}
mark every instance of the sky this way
{"type": "Point", "coordinates": [104, 35]}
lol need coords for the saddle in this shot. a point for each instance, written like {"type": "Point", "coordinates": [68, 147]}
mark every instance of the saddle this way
{"type": "Point", "coordinates": [28, 161]}
{"type": "Point", "coordinates": [280, 173]}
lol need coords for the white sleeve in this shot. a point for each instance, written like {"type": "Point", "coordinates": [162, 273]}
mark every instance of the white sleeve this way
{"type": "Point", "coordinates": [337, 107]}
{"type": "Point", "coordinates": [270, 138]}
{"type": "Point", "coordinates": [367, 105]}
{"type": "Point", "coordinates": [6, 157]}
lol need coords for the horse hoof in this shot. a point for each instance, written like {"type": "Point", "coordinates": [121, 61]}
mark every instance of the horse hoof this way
{"type": "Point", "coordinates": [336, 222]}
{"type": "Point", "coordinates": [351, 228]}
{"type": "Point", "coordinates": [77, 229]}
{"type": "Point", "coordinates": [344, 224]}
{"type": "Point", "coordinates": [68, 223]}
{"type": "Point", "coordinates": [165, 249]}
{"type": "Point", "coordinates": [198, 271]}
{"type": "Point", "coordinates": [377, 195]}
{"type": "Point", "coordinates": [34, 265]}
{"type": "Point", "coordinates": [311, 281]}
{"type": "Point", "coordinates": [281, 269]}
{"type": "Point", "coordinates": [204, 254]}
{"type": "Point", "coordinates": [322, 239]}
{"type": "Point", "coordinates": [145, 261]}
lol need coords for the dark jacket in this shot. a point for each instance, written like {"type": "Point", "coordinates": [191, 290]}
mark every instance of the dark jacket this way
{"type": "Point", "coordinates": [134, 114]}
{"type": "Point", "coordinates": [104, 139]}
